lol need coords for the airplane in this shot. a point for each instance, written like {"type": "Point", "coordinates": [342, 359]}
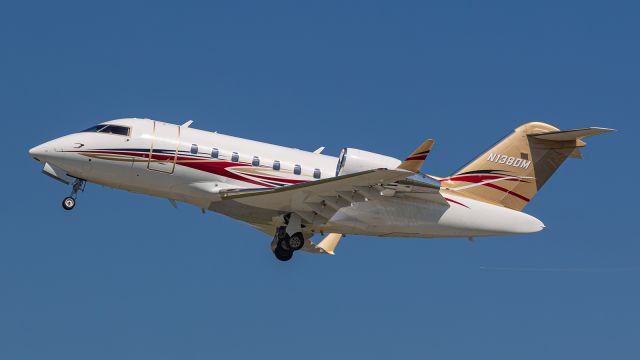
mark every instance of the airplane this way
{"type": "Point", "coordinates": [292, 195]}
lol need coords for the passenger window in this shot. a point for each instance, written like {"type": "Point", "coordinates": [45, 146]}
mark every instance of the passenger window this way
{"type": "Point", "coordinates": [316, 174]}
{"type": "Point", "coordinates": [297, 169]}
{"type": "Point", "coordinates": [235, 157]}
{"type": "Point", "coordinates": [255, 161]}
{"type": "Point", "coordinates": [215, 153]}
{"type": "Point", "coordinates": [194, 148]}
{"type": "Point", "coordinates": [276, 165]}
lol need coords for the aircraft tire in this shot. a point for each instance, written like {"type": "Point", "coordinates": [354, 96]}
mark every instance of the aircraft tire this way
{"type": "Point", "coordinates": [68, 203]}
{"type": "Point", "coordinates": [296, 241]}
{"type": "Point", "coordinates": [282, 254]}
{"type": "Point", "coordinates": [283, 243]}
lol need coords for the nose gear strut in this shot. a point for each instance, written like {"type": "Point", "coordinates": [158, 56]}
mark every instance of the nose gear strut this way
{"type": "Point", "coordinates": [70, 201]}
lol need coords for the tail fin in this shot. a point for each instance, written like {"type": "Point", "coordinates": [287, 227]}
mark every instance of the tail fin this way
{"type": "Point", "coordinates": [514, 170]}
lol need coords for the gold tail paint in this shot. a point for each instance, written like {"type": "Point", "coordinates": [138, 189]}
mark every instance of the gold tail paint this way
{"type": "Point", "coordinates": [515, 169]}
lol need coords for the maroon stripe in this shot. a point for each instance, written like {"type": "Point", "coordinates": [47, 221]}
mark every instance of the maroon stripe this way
{"type": "Point", "coordinates": [289, 181]}
{"type": "Point", "coordinates": [475, 179]}
{"type": "Point", "coordinates": [479, 178]}
{"type": "Point", "coordinates": [220, 168]}
{"type": "Point", "coordinates": [216, 167]}
{"type": "Point", "coordinates": [494, 186]}
{"type": "Point", "coordinates": [456, 202]}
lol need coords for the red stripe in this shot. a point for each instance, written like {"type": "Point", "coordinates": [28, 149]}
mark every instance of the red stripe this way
{"type": "Point", "coordinates": [417, 157]}
{"type": "Point", "coordinates": [220, 168]}
{"type": "Point", "coordinates": [456, 202]}
{"type": "Point", "coordinates": [475, 179]}
{"type": "Point", "coordinates": [289, 181]}
{"type": "Point", "coordinates": [479, 178]}
{"type": "Point", "coordinates": [494, 186]}
{"type": "Point", "coordinates": [216, 167]}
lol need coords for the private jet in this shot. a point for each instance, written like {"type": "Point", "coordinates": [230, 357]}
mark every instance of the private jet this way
{"type": "Point", "coordinates": [292, 195]}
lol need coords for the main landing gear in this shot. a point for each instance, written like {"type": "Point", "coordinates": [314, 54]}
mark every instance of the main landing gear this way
{"type": "Point", "coordinates": [70, 201]}
{"type": "Point", "coordinates": [286, 244]}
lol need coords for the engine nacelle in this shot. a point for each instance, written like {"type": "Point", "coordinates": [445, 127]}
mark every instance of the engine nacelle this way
{"type": "Point", "coordinates": [353, 160]}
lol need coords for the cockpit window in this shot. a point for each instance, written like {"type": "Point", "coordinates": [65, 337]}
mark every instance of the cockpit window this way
{"type": "Point", "coordinates": [96, 128]}
{"type": "Point", "coordinates": [115, 129]}
{"type": "Point", "coordinates": [109, 129]}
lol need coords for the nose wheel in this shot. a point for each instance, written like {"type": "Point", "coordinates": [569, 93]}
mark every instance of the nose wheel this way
{"type": "Point", "coordinates": [70, 201]}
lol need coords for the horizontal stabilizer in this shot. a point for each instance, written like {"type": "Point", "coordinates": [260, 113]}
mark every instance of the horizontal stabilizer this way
{"type": "Point", "coordinates": [568, 135]}
{"type": "Point", "coordinates": [414, 161]}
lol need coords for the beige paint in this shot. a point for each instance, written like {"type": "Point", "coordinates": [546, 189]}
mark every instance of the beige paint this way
{"type": "Point", "coordinates": [421, 153]}
{"type": "Point", "coordinates": [520, 164]}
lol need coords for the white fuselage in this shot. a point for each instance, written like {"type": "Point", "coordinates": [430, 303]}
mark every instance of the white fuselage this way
{"type": "Point", "coordinates": [193, 166]}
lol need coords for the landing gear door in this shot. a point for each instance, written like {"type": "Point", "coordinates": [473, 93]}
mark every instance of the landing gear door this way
{"type": "Point", "coordinates": [164, 148]}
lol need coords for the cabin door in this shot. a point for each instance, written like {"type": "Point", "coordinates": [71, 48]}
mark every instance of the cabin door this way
{"type": "Point", "coordinates": [164, 147]}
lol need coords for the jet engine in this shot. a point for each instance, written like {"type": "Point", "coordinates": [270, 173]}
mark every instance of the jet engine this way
{"type": "Point", "coordinates": [354, 160]}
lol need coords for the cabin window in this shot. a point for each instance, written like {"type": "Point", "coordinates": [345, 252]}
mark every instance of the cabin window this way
{"type": "Point", "coordinates": [316, 174]}
{"type": "Point", "coordinates": [215, 153]}
{"type": "Point", "coordinates": [276, 165]}
{"type": "Point", "coordinates": [297, 169]}
{"type": "Point", "coordinates": [109, 129]}
{"type": "Point", "coordinates": [255, 161]}
{"type": "Point", "coordinates": [194, 148]}
{"type": "Point", "coordinates": [235, 157]}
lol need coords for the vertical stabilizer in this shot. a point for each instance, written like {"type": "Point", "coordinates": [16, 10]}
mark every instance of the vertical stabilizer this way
{"type": "Point", "coordinates": [516, 168]}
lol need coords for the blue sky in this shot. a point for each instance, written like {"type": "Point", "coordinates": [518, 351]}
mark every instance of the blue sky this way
{"type": "Point", "coordinates": [127, 276]}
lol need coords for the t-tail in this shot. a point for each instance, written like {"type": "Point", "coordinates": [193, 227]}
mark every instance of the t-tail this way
{"type": "Point", "coordinates": [516, 168]}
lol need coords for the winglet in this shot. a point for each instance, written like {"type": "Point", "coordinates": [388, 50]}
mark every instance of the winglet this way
{"type": "Point", "coordinates": [329, 243]}
{"type": "Point", "coordinates": [414, 161]}
{"type": "Point", "coordinates": [319, 150]}
{"type": "Point", "coordinates": [187, 124]}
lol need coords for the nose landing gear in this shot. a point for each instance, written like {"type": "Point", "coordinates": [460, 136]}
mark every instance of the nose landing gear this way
{"type": "Point", "coordinates": [70, 201]}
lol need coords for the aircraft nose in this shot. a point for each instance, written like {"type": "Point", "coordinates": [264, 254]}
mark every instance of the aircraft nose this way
{"type": "Point", "coordinates": [43, 152]}
{"type": "Point", "coordinates": [38, 151]}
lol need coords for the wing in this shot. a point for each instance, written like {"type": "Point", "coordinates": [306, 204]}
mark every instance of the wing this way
{"type": "Point", "coordinates": [317, 201]}
{"type": "Point", "coordinates": [319, 196]}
